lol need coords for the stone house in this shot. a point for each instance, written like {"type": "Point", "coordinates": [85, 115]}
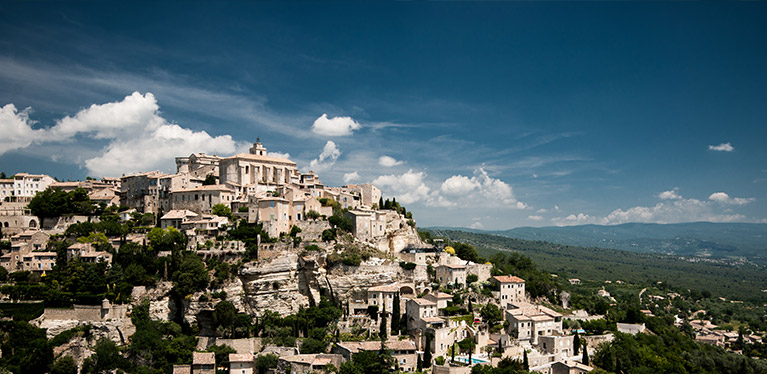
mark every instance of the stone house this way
{"type": "Point", "coordinates": [203, 363]}
{"type": "Point", "coordinates": [176, 217]}
{"type": "Point", "coordinates": [529, 321]}
{"type": "Point", "coordinates": [569, 367]}
{"type": "Point", "coordinates": [449, 274]}
{"type": "Point", "coordinates": [440, 298]}
{"type": "Point", "coordinates": [404, 351]}
{"type": "Point", "coordinates": [368, 224]}
{"type": "Point", "coordinates": [511, 288]}
{"type": "Point", "coordinates": [141, 191]}
{"type": "Point", "coordinates": [307, 363]}
{"type": "Point", "coordinates": [559, 345]}
{"type": "Point", "coordinates": [383, 296]}
{"type": "Point", "coordinates": [23, 187]}
{"type": "Point", "coordinates": [202, 199]}
{"type": "Point", "coordinates": [241, 363]}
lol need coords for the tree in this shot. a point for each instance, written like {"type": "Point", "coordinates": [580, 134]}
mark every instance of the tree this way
{"type": "Point", "coordinates": [382, 330]}
{"type": "Point", "coordinates": [64, 365]}
{"type": "Point", "coordinates": [427, 351]}
{"type": "Point", "coordinates": [525, 363]}
{"type": "Point", "coordinates": [221, 353]}
{"type": "Point", "coordinates": [395, 315]}
{"type": "Point", "coordinates": [224, 315]}
{"type": "Point", "coordinates": [491, 314]}
{"type": "Point", "coordinates": [585, 358]}
{"type": "Point", "coordinates": [576, 344]}
{"type": "Point", "coordinates": [210, 180]}
{"type": "Point", "coordinates": [25, 348]}
{"type": "Point", "coordinates": [312, 215]}
{"type": "Point", "coordinates": [221, 210]}
{"type": "Point", "coordinates": [266, 362]}
{"type": "Point", "coordinates": [191, 275]}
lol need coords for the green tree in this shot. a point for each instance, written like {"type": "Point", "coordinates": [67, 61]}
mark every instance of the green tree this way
{"type": "Point", "coordinates": [491, 314]}
{"type": "Point", "coordinates": [223, 316]}
{"type": "Point", "coordinates": [221, 210]}
{"type": "Point", "coordinates": [266, 362]}
{"type": "Point", "coordinates": [25, 348]}
{"type": "Point", "coordinates": [312, 215]}
{"type": "Point", "coordinates": [64, 365]}
{"type": "Point", "coordinates": [210, 180]}
{"type": "Point", "coordinates": [191, 275]}
{"type": "Point", "coordinates": [525, 363]}
{"type": "Point", "coordinates": [395, 315]}
{"type": "Point", "coordinates": [576, 344]}
{"type": "Point", "coordinates": [585, 358]}
{"type": "Point", "coordinates": [427, 351]}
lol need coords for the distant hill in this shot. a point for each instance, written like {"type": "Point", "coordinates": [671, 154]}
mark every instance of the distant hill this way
{"type": "Point", "coordinates": [701, 239]}
{"type": "Point", "coordinates": [733, 280]}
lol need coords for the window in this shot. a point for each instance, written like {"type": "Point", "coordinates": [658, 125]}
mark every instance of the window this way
{"type": "Point", "coordinates": [271, 204]}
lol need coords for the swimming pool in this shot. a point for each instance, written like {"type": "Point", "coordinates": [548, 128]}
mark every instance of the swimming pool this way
{"type": "Point", "coordinates": [474, 360]}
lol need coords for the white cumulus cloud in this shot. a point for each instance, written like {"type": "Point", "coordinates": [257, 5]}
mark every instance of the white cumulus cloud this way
{"type": "Point", "coordinates": [16, 129]}
{"type": "Point", "coordinates": [408, 187]}
{"type": "Point", "coordinates": [535, 218]}
{"type": "Point", "coordinates": [137, 136]}
{"type": "Point", "coordinates": [724, 147]}
{"type": "Point", "coordinates": [670, 195]}
{"type": "Point", "coordinates": [388, 161]}
{"type": "Point", "coordinates": [351, 177]}
{"type": "Point", "coordinates": [724, 198]}
{"type": "Point", "coordinates": [327, 158]}
{"type": "Point", "coordinates": [478, 190]}
{"type": "Point", "coordinates": [336, 126]}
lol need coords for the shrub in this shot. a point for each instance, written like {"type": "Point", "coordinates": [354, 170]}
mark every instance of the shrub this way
{"type": "Point", "coordinates": [407, 265]}
{"type": "Point", "coordinates": [312, 248]}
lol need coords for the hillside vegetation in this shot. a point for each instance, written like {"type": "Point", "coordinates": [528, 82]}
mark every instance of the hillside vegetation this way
{"type": "Point", "coordinates": [741, 282]}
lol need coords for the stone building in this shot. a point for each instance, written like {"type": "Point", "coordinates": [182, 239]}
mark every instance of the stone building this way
{"type": "Point", "coordinates": [383, 296]}
{"type": "Point", "coordinates": [202, 199]}
{"type": "Point", "coordinates": [203, 363]}
{"type": "Point", "coordinates": [256, 167]}
{"type": "Point", "coordinates": [511, 289]}
{"type": "Point", "coordinates": [449, 274]}
{"type": "Point", "coordinates": [23, 187]}
{"type": "Point", "coordinates": [529, 321]}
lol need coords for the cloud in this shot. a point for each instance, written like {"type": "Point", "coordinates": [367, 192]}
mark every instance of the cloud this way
{"type": "Point", "coordinates": [670, 195]}
{"type": "Point", "coordinates": [408, 187]}
{"type": "Point", "coordinates": [724, 147]}
{"type": "Point", "coordinates": [388, 161]}
{"type": "Point", "coordinates": [478, 190]}
{"type": "Point", "coordinates": [724, 198]}
{"type": "Point", "coordinates": [327, 158]}
{"type": "Point", "coordinates": [278, 154]}
{"type": "Point", "coordinates": [336, 126]}
{"type": "Point", "coordinates": [535, 218]}
{"type": "Point", "coordinates": [572, 219]}
{"type": "Point", "coordinates": [477, 225]}
{"type": "Point", "coordinates": [350, 177]}
{"type": "Point", "coordinates": [137, 136]}
{"type": "Point", "coordinates": [16, 129]}
{"type": "Point", "coordinates": [459, 185]}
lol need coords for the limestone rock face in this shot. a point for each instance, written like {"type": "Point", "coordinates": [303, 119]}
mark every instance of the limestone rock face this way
{"type": "Point", "coordinates": [273, 285]}
{"type": "Point", "coordinates": [116, 331]}
{"type": "Point", "coordinates": [352, 282]}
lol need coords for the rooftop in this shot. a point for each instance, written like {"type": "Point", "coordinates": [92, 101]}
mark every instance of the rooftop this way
{"type": "Point", "coordinates": [203, 358]}
{"type": "Point", "coordinates": [509, 279]}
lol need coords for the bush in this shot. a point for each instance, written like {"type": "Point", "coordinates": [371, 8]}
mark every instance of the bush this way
{"type": "Point", "coordinates": [328, 235]}
{"type": "Point", "coordinates": [407, 265]}
{"type": "Point", "coordinates": [312, 248]}
{"type": "Point", "coordinates": [242, 209]}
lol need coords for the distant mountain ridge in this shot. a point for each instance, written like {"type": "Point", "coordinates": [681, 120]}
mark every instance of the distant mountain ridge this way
{"type": "Point", "coordinates": [703, 239]}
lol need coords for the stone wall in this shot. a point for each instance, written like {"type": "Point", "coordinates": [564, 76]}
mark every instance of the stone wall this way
{"type": "Point", "coordinates": [312, 230]}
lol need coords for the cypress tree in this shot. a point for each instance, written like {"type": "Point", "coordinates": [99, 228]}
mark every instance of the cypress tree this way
{"type": "Point", "coordinates": [452, 353]}
{"type": "Point", "coordinates": [471, 310]}
{"type": "Point", "coordinates": [585, 359]}
{"type": "Point", "coordinates": [427, 352]}
{"type": "Point", "coordinates": [380, 203]}
{"type": "Point", "coordinates": [382, 330]}
{"type": "Point", "coordinates": [576, 344]}
{"type": "Point", "coordinates": [395, 316]}
{"type": "Point", "coordinates": [419, 364]}
{"type": "Point", "coordinates": [525, 363]}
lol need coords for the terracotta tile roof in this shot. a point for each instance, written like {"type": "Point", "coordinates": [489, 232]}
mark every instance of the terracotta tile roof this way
{"type": "Point", "coordinates": [424, 302]}
{"type": "Point", "coordinates": [384, 288]}
{"type": "Point", "coordinates": [234, 357]}
{"type": "Point", "coordinates": [509, 279]}
{"type": "Point", "coordinates": [203, 358]}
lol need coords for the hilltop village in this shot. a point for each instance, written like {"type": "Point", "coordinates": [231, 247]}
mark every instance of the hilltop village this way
{"type": "Point", "coordinates": [244, 264]}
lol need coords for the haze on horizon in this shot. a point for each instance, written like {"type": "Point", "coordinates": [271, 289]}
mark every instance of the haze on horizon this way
{"type": "Point", "coordinates": [483, 115]}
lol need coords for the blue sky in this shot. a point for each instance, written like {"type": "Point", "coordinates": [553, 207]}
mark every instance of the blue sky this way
{"type": "Point", "coordinates": [490, 115]}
